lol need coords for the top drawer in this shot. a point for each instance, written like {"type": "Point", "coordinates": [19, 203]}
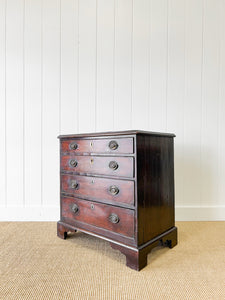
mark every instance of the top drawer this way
{"type": "Point", "coordinates": [118, 145]}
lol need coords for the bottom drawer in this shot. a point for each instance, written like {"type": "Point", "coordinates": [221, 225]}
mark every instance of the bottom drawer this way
{"type": "Point", "coordinates": [115, 219]}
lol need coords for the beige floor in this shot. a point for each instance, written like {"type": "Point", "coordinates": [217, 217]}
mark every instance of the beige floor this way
{"type": "Point", "coordinates": [35, 264]}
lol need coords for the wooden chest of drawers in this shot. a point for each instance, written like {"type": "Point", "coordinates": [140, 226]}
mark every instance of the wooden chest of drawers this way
{"type": "Point", "coordinates": [119, 186]}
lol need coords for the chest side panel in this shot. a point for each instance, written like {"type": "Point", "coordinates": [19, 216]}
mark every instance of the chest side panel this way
{"type": "Point", "coordinates": [155, 180]}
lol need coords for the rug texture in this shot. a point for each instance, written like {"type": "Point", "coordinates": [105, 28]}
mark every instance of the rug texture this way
{"type": "Point", "coordinates": [36, 264]}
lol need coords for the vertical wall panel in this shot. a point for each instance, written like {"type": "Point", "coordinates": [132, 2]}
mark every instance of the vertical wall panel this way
{"type": "Point", "coordinates": [105, 65]}
{"type": "Point", "coordinates": [14, 98]}
{"type": "Point", "coordinates": [2, 104]}
{"type": "Point", "coordinates": [32, 102]}
{"type": "Point", "coordinates": [192, 103]}
{"type": "Point", "coordinates": [175, 97]}
{"type": "Point", "coordinates": [69, 66]}
{"type": "Point", "coordinates": [140, 73]}
{"type": "Point", "coordinates": [221, 124]}
{"type": "Point", "coordinates": [87, 65]}
{"type": "Point", "coordinates": [123, 64]}
{"type": "Point", "coordinates": [210, 86]}
{"type": "Point", "coordinates": [51, 102]}
{"type": "Point", "coordinates": [158, 65]}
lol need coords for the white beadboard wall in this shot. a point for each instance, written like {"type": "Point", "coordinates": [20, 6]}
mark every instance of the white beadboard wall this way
{"type": "Point", "coordinates": [74, 66]}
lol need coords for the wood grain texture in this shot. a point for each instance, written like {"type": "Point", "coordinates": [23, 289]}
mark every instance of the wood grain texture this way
{"type": "Point", "coordinates": [114, 134]}
{"type": "Point", "coordinates": [96, 145]}
{"type": "Point", "coordinates": [155, 181]}
{"type": "Point", "coordinates": [137, 258]}
{"type": "Point", "coordinates": [148, 201]}
{"type": "Point", "coordinates": [97, 214]}
{"type": "Point", "coordinates": [99, 165]}
{"type": "Point", "coordinates": [98, 189]}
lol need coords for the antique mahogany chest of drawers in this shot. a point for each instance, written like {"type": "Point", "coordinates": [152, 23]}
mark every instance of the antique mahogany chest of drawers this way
{"type": "Point", "coordinates": [119, 186]}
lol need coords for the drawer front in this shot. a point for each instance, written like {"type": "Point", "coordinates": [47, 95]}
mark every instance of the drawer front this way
{"type": "Point", "coordinates": [121, 145]}
{"type": "Point", "coordinates": [119, 220]}
{"type": "Point", "coordinates": [104, 189]}
{"type": "Point", "coordinates": [102, 165]}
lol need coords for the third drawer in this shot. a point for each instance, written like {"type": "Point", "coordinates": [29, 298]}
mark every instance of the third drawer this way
{"type": "Point", "coordinates": [100, 189]}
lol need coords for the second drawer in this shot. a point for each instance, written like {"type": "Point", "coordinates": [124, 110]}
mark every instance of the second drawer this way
{"type": "Point", "coordinates": [106, 190]}
{"type": "Point", "coordinates": [104, 165]}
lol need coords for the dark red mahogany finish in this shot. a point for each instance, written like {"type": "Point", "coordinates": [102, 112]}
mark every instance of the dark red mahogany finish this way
{"type": "Point", "coordinates": [98, 146]}
{"type": "Point", "coordinates": [98, 165]}
{"type": "Point", "coordinates": [97, 214]}
{"type": "Point", "coordinates": [119, 186]}
{"type": "Point", "coordinates": [98, 189]}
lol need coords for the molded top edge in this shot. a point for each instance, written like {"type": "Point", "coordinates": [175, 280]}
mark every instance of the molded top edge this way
{"type": "Point", "coordinates": [115, 133]}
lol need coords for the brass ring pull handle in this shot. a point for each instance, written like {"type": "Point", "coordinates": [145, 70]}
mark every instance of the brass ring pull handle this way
{"type": "Point", "coordinates": [73, 146]}
{"type": "Point", "coordinates": [114, 190]}
{"type": "Point", "coordinates": [73, 163]}
{"type": "Point", "coordinates": [74, 184]}
{"type": "Point", "coordinates": [113, 145]}
{"type": "Point", "coordinates": [114, 218]}
{"type": "Point", "coordinates": [113, 165]}
{"type": "Point", "coordinates": [75, 208]}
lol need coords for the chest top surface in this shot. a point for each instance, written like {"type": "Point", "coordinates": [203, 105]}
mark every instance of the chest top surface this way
{"type": "Point", "coordinates": [115, 133]}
